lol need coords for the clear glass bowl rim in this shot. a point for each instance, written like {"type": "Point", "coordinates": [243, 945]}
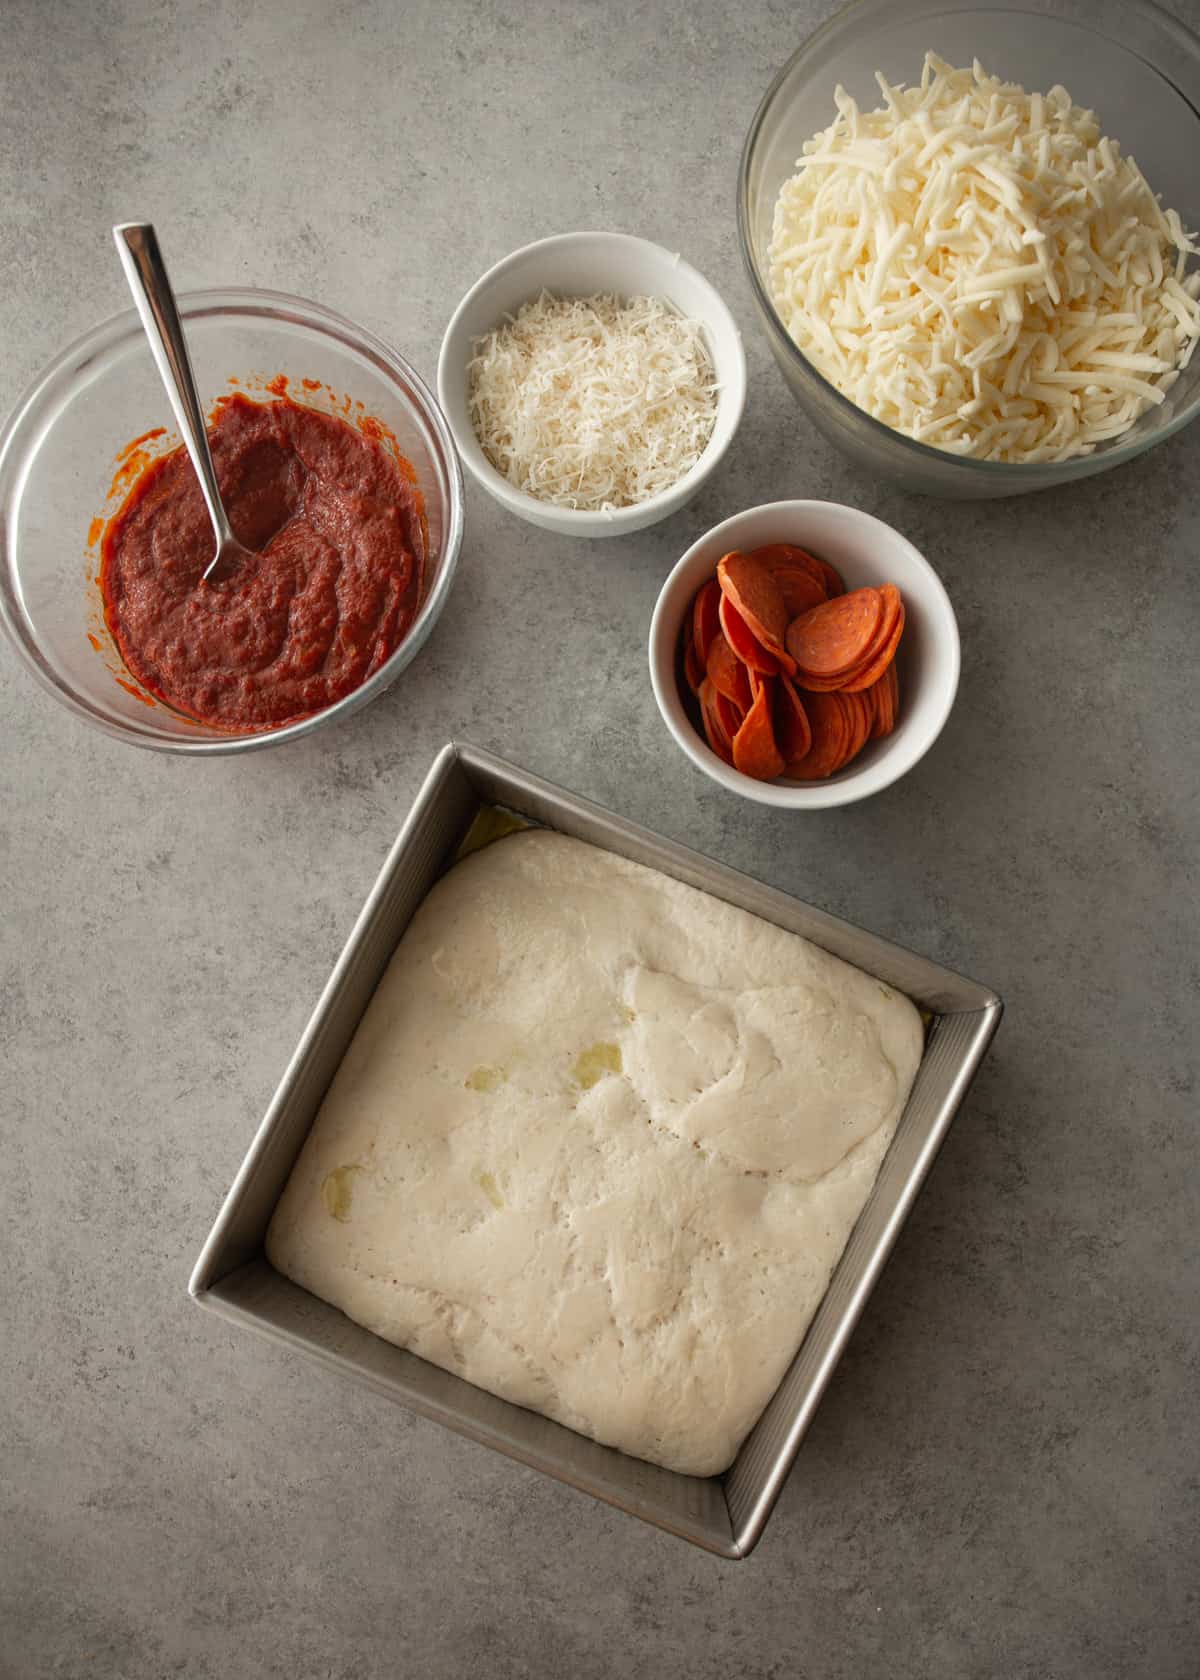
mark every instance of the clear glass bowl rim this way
{"type": "Point", "coordinates": [1017, 474]}
{"type": "Point", "coordinates": [240, 301]}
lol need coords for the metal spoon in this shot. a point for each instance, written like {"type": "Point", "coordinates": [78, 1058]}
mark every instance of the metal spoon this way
{"type": "Point", "coordinates": [137, 247]}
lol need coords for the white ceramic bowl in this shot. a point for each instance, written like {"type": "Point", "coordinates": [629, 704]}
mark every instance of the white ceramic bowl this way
{"type": "Point", "coordinates": [581, 265]}
{"type": "Point", "coordinates": [865, 551]}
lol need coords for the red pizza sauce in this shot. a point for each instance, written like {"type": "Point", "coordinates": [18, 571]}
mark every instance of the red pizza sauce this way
{"type": "Point", "coordinates": [338, 532]}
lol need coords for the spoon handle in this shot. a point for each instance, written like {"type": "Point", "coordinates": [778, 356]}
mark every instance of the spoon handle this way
{"type": "Point", "coordinates": [137, 247]}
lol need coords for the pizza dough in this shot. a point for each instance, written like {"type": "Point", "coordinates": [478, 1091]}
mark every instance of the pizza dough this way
{"type": "Point", "coordinates": [598, 1144]}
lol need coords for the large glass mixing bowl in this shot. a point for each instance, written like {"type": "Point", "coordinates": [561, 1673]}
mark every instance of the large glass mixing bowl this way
{"type": "Point", "coordinates": [1136, 66]}
{"type": "Point", "coordinates": [60, 478]}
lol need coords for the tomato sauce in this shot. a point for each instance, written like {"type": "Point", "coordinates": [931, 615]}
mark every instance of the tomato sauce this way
{"type": "Point", "coordinates": [337, 528]}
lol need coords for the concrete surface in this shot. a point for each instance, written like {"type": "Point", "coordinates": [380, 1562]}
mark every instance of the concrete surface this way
{"type": "Point", "coordinates": [1003, 1478]}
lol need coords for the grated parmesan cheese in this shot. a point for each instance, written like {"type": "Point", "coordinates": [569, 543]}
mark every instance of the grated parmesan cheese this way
{"type": "Point", "coordinates": [593, 403]}
{"type": "Point", "coordinates": [980, 268]}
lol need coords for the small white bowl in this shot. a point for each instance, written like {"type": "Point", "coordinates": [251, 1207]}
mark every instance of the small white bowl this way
{"type": "Point", "coordinates": [582, 265]}
{"type": "Point", "coordinates": [865, 551]}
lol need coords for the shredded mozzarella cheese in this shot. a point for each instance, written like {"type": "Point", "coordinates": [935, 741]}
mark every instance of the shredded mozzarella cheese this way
{"type": "Point", "coordinates": [593, 403]}
{"type": "Point", "coordinates": [980, 268]}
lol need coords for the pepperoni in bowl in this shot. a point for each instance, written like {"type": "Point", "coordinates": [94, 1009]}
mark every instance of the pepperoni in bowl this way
{"type": "Point", "coordinates": [837, 660]}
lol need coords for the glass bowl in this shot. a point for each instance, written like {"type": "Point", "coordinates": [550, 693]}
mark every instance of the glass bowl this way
{"type": "Point", "coordinates": [1136, 66]}
{"type": "Point", "coordinates": [62, 477]}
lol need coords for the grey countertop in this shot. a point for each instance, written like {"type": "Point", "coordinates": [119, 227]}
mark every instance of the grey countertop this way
{"type": "Point", "coordinates": [1003, 1477]}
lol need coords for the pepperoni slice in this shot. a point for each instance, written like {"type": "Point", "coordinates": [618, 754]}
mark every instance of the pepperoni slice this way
{"type": "Point", "coordinates": [749, 587]}
{"type": "Point", "coordinates": [727, 673]}
{"type": "Point", "coordinates": [834, 637]}
{"type": "Point", "coordinates": [893, 677]}
{"type": "Point", "coordinates": [777, 556]}
{"type": "Point", "coordinates": [830, 737]}
{"type": "Point", "coordinates": [744, 642]}
{"type": "Point", "coordinates": [869, 698]}
{"type": "Point", "coordinates": [833, 579]}
{"type": "Point", "coordinates": [880, 696]}
{"type": "Point", "coordinates": [889, 597]}
{"type": "Point", "coordinates": [718, 740]}
{"type": "Point", "coordinates": [868, 708]}
{"type": "Point", "coordinates": [705, 622]}
{"type": "Point", "coordinates": [755, 752]}
{"type": "Point", "coordinates": [881, 660]}
{"type": "Point", "coordinates": [887, 701]}
{"type": "Point", "coordinates": [781, 555]}
{"type": "Point", "coordinates": [728, 714]}
{"type": "Point", "coordinates": [692, 668]}
{"type": "Point", "coordinates": [801, 591]}
{"type": "Point", "coordinates": [877, 657]}
{"type": "Point", "coordinates": [859, 716]}
{"type": "Point", "coordinates": [792, 731]}
{"type": "Point", "coordinates": [824, 685]}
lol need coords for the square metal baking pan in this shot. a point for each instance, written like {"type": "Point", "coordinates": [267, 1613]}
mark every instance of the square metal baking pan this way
{"type": "Point", "coordinates": [725, 1514]}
